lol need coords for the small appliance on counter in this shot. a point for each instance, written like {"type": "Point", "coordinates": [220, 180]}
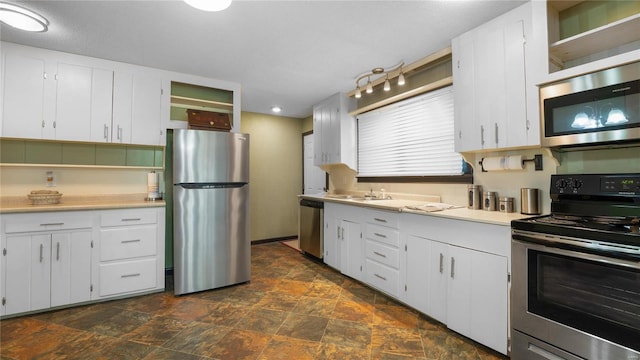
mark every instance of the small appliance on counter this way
{"type": "Point", "coordinates": [529, 201]}
{"type": "Point", "coordinates": [153, 187]}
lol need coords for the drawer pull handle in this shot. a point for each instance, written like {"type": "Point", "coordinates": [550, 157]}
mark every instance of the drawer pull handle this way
{"type": "Point", "coordinates": [130, 275]}
{"type": "Point", "coordinates": [380, 235]}
{"type": "Point", "coordinates": [131, 219]}
{"type": "Point", "coordinates": [58, 251]}
{"type": "Point", "coordinates": [380, 220]}
{"type": "Point", "coordinates": [51, 224]}
{"type": "Point", "coordinates": [441, 263]}
{"type": "Point", "coordinates": [380, 277]}
{"type": "Point", "coordinates": [129, 241]}
{"type": "Point", "coordinates": [379, 254]}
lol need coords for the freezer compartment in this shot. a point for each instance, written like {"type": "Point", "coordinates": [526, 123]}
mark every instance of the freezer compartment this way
{"type": "Point", "coordinates": [212, 246]}
{"type": "Point", "coordinates": [210, 157]}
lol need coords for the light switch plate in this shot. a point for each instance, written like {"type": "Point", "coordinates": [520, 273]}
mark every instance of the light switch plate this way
{"type": "Point", "coordinates": [50, 179]}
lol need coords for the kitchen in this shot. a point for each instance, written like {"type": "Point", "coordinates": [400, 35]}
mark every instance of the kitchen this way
{"type": "Point", "coordinates": [283, 157]}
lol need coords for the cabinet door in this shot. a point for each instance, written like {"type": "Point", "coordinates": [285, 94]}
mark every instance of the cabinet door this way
{"type": "Point", "coordinates": [145, 110]}
{"type": "Point", "coordinates": [70, 268]}
{"type": "Point", "coordinates": [438, 274]}
{"type": "Point", "coordinates": [331, 239]}
{"type": "Point", "coordinates": [516, 122]}
{"type": "Point", "coordinates": [17, 274]}
{"type": "Point", "coordinates": [73, 102]}
{"type": "Point", "coordinates": [122, 107]}
{"type": "Point", "coordinates": [101, 105]}
{"type": "Point", "coordinates": [24, 91]}
{"type": "Point", "coordinates": [459, 290]}
{"type": "Point", "coordinates": [352, 250]}
{"type": "Point", "coordinates": [489, 300]}
{"type": "Point", "coordinates": [418, 264]}
{"type": "Point", "coordinates": [467, 128]}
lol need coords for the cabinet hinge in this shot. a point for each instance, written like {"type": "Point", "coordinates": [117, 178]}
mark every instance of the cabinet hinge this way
{"type": "Point", "coordinates": [4, 301]}
{"type": "Point", "coordinates": [360, 235]}
{"type": "Point", "coordinates": [405, 287]}
{"type": "Point", "coordinates": [360, 267]}
{"type": "Point", "coordinates": [55, 77]}
{"type": "Point", "coordinates": [508, 277]}
{"type": "Point", "coordinates": [92, 244]}
{"type": "Point", "coordinates": [405, 247]}
{"type": "Point", "coordinates": [44, 75]}
{"type": "Point", "coordinates": [4, 251]}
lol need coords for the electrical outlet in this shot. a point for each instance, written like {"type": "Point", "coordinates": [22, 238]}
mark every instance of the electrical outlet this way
{"type": "Point", "coordinates": [51, 179]}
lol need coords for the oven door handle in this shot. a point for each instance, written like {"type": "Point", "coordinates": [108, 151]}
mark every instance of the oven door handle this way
{"type": "Point", "coordinates": [549, 243]}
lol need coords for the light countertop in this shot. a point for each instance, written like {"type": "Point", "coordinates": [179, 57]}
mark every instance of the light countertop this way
{"type": "Point", "coordinates": [21, 204]}
{"type": "Point", "coordinates": [401, 205]}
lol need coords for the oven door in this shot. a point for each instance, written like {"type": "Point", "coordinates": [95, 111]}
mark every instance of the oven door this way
{"type": "Point", "coordinates": [584, 303]}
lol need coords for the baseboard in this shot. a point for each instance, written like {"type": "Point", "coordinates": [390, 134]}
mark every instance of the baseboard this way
{"type": "Point", "coordinates": [264, 241]}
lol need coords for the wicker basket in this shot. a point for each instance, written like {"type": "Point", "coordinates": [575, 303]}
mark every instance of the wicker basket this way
{"type": "Point", "coordinates": [44, 197]}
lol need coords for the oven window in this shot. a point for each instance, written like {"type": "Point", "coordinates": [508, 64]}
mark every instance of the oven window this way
{"type": "Point", "coordinates": [597, 298]}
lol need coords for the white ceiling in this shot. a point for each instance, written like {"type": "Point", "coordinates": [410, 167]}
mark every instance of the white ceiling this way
{"type": "Point", "coordinates": [288, 53]}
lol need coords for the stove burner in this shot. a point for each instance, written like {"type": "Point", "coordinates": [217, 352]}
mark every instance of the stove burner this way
{"type": "Point", "coordinates": [604, 223]}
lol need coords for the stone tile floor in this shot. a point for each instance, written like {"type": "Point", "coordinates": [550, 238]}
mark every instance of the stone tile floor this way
{"type": "Point", "coordinates": [293, 308]}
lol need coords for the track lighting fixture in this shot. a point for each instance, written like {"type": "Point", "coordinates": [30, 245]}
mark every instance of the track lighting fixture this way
{"type": "Point", "coordinates": [388, 74]}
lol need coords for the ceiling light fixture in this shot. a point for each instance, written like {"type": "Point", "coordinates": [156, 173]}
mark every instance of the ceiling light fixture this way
{"type": "Point", "coordinates": [388, 74]}
{"type": "Point", "coordinates": [22, 18]}
{"type": "Point", "coordinates": [209, 5]}
{"type": "Point", "coordinates": [276, 109]}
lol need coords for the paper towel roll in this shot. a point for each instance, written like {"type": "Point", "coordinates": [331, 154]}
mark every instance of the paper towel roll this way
{"type": "Point", "coordinates": [493, 163]}
{"type": "Point", "coordinates": [514, 162]}
{"type": "Point", "coordinates": [500, 163]}
{"type": "Point", "coordinates": [153, 186]}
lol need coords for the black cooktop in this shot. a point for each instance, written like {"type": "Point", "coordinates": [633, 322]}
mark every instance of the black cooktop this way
{"type": "Point", "coordinates": [603, 207]}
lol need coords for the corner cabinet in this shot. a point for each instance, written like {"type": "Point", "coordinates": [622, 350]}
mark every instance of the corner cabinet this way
{"type": "Point", "coordinates": [495, 92]}
{"type": "Point", "coordinates": [335, 132]}
{"type": "Point", "coordinates": [58, 259]}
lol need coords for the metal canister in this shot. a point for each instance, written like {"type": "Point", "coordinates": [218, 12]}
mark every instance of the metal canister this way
{"type": "Point", "coordinates": [490, 200]}
{"type": "Point", "coordinates": [506, 204]}
{"type": "Point", "coordinates": [475, 197]}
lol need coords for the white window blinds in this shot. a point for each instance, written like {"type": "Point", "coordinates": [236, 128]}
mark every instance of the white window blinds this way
{"type": "Point", "coordinates": [414, 137]}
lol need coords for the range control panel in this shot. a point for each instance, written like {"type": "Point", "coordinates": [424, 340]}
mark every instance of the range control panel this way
{"type": "Point", "coordinates": [596, 184]}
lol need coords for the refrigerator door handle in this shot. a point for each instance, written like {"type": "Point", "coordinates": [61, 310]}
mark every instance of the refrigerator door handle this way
{"type": "Point", "coordinates": [212, 185]}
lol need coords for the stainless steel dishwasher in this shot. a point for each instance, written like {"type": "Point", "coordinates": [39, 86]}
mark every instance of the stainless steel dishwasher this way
{"type": "Point", "coordinates": [310, 234]}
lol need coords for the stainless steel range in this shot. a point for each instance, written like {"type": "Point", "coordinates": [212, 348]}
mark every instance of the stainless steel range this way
{"type": "Point", "coordinates": [575, 290]}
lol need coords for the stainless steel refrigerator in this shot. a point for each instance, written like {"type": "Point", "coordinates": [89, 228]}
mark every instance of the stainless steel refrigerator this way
{"type": "Point", "coordinates": [211, 242]}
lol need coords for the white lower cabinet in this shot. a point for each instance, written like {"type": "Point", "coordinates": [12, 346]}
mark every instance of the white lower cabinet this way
{"type": "Point", "coordinates": [54, 259]}
{"type": "Point", "coordinates": [343, 242]}
{"type": "Point", "coordinates": [131, 247]}
{"type": "Point", "coordinates": [456, 272]}
{"type": "Point", "coordinates": [46, 261]}
{"type": "Point", "coordinates": [382, 252]}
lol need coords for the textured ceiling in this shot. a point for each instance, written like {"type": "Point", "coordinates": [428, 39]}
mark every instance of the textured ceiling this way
{"type": "Point", "coordinates": [288, 53]}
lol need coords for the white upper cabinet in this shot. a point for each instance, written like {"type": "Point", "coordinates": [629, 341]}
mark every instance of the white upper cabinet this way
{"type": "Point", "coordinates": [46, 96]}
{"type": "Point", "coordinates": [495, 94]}
{"type": "Point", "coordinates": [334, 131]}
{"type": "Point", "coordinates": [137, 102]}
{"type": "Point", "coordinates": [23, 96]}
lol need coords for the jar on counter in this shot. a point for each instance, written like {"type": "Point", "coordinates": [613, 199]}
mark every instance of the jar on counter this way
{"type": "Point", "coordinates": [506, 204]}
{"type": "Point", "coordinates": [490, 200]}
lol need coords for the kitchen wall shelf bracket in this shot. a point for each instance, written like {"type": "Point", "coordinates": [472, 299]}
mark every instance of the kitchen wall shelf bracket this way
{"type": "Point", "coordinates": [537, 160]}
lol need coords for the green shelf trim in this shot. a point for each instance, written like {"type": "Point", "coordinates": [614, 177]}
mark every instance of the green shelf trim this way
{"type": "Point", "coordinates": [14, 151]}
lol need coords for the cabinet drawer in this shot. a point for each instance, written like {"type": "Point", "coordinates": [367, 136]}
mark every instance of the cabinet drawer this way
{"type": "Point", "coordinates": [383, 234]}
{"type": "Point", "coordinates": [383, 277]}
{"type": "Point", "coordinates": [130, 276]}
{"type": "Point", "coordinates": [127, 242]}
{"type": "Point", "coordinates": [383, 254]}
{"type": "Point", "coordinates": [384, 218]}
{"type": "Point", "coordinates": [128, 217]}
{"type": "Point", "coordinates": [46, 222]}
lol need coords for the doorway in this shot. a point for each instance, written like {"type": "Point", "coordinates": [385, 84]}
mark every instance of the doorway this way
{"type": "Point", "coordinates": [314, 180]}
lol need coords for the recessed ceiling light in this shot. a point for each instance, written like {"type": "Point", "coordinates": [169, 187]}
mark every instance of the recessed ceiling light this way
{"type": "Point", "coordinates": [276, 109]}
{"type": "Point", "coordinates": [21, 18]}
{"type": "Point", "coordinates": [209, 5]}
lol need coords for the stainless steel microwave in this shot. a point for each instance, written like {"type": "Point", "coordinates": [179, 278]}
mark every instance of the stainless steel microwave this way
{"type": "Point", "coordinates": [600, 108]}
